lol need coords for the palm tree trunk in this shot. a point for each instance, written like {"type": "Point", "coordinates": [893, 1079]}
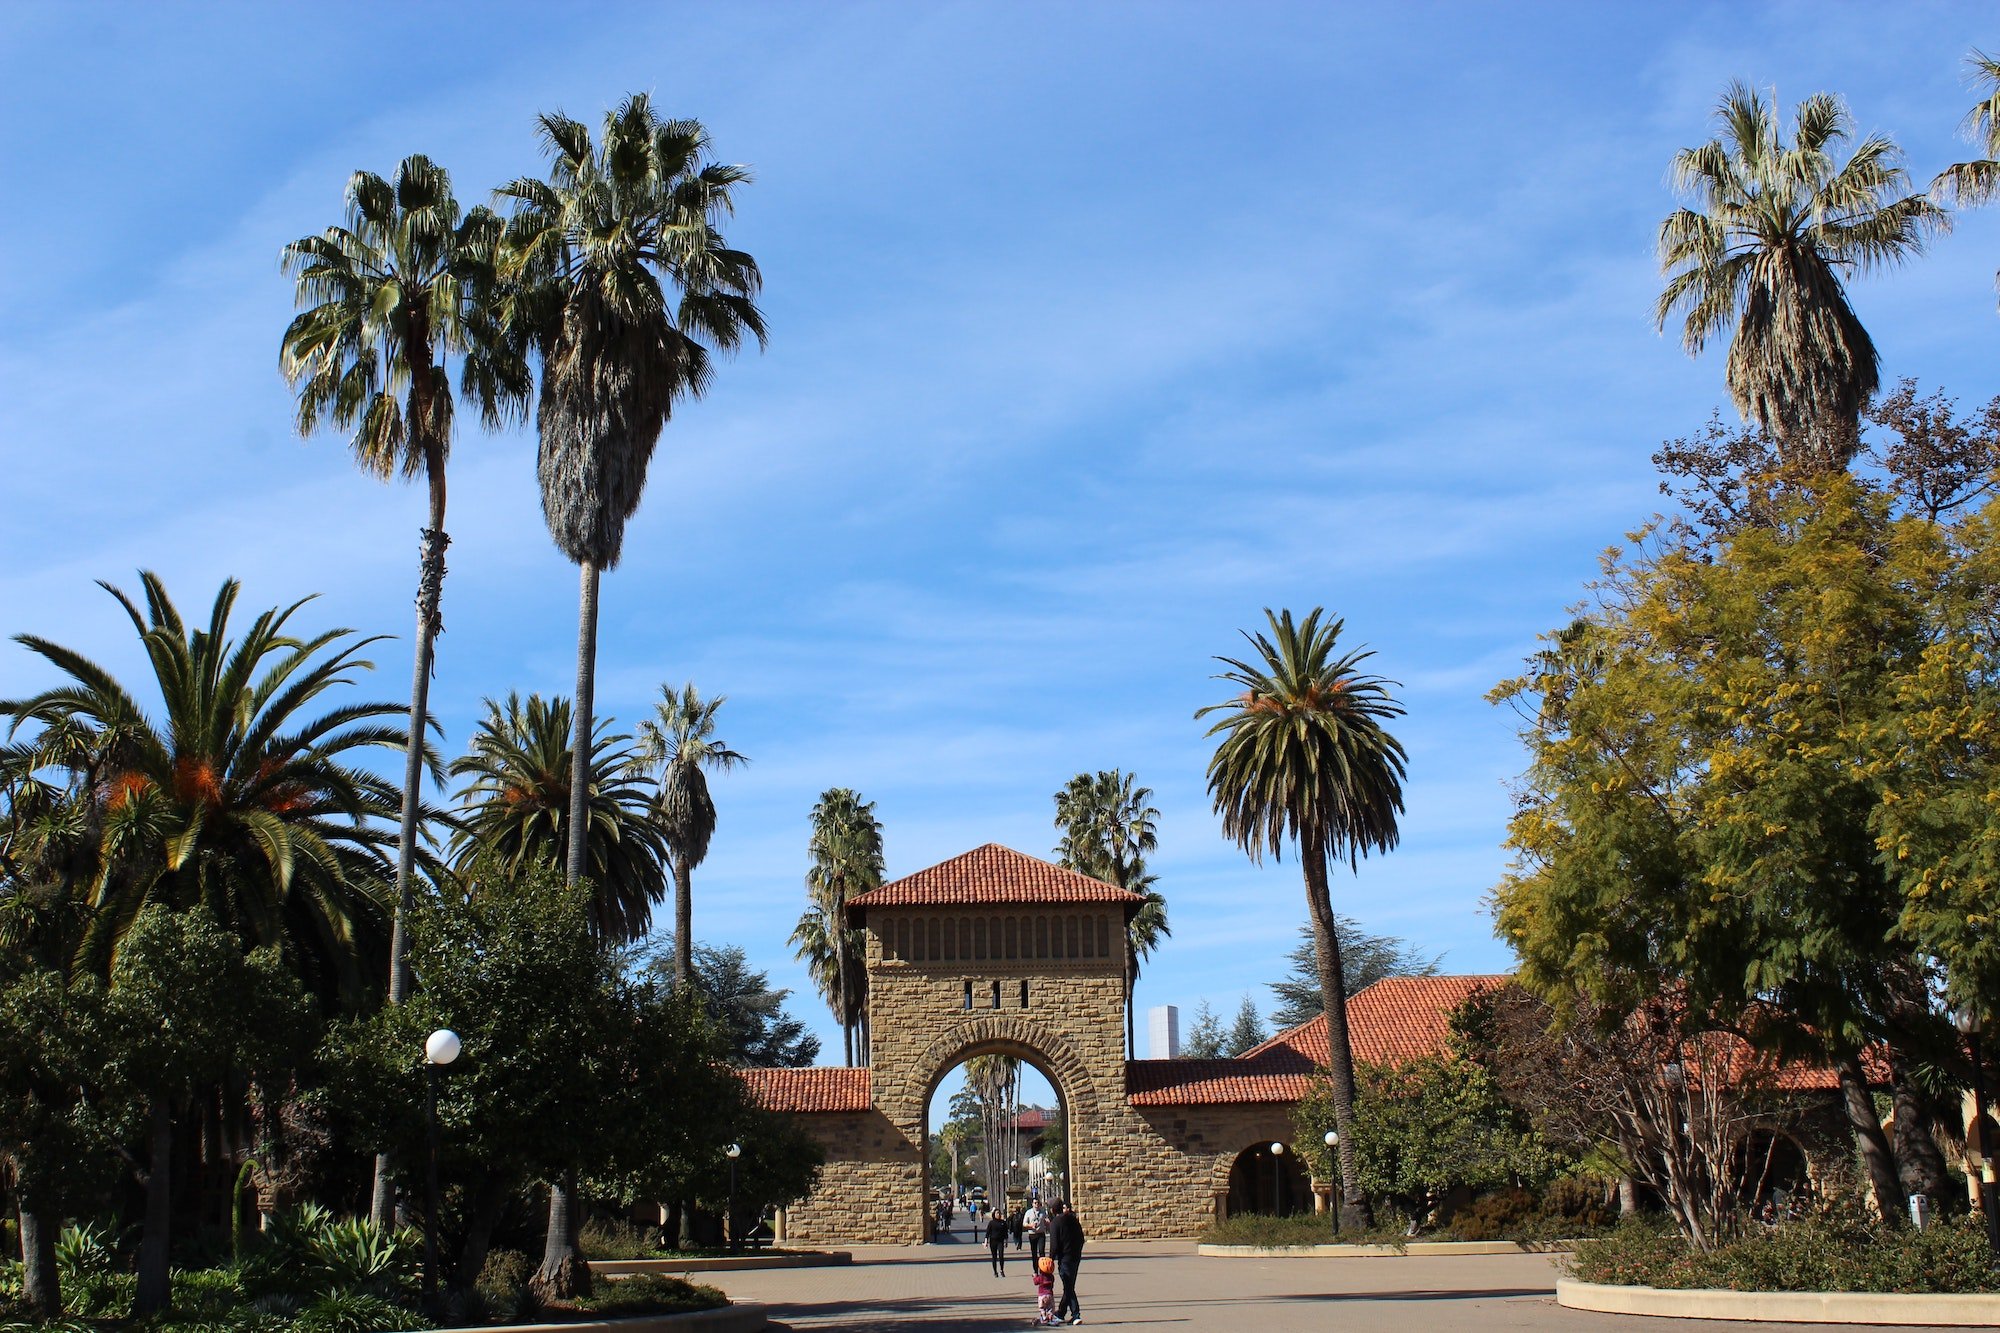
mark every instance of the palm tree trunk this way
{"type": "Point", "coordinates": [153, 1280]}
{"type": "Point", "coordinates": [41, 1279]}
{"type": "Point", "coordinates": [683, 922]}
{"type": "Point", "coordinates": [430, 592]}
{"type": "Point", "coordinates": [840, 985]}
{"type": "Point", "coordinates": [1917, 1152]}
{"type": "Point", "coordinates": [563, 1274]}
{"type": "Point", "coordinates": [579, 764]}
{"type": "Point", "coordinates": [1354, 1210]}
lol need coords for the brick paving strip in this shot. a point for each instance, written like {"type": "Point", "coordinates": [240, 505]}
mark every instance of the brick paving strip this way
{"type": "Point", "coordinates": [1164, 1285]}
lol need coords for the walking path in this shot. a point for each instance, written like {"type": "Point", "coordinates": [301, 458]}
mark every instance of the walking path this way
{"type": "Point", "coordinates": [950, 1288]}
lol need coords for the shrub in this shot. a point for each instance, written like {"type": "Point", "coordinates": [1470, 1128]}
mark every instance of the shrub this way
{"type": "Point", "coordinates": [1501, 1215]}
{"type": "Point", "coordinates": [618, 1239]}
{"type": "Point", "coordinates": [1840, 1250]}
{"type": "Point", "coordinates": [1301, 1229]}
{"type": "Point", "coordinates": [503, 1284]}
{"type": "Point", "coordinates": [354, 1312]}
{"type": "Point", "coordinates": [650, 1294]}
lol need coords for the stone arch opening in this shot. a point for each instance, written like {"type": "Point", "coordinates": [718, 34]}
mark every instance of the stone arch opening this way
{"type": "Point", "coordinates": [1261, 1181]}
{"type": "Point", "coordinates": [1774, 1170]}
{"type": "Point", "coordinates": [1067, 1079]}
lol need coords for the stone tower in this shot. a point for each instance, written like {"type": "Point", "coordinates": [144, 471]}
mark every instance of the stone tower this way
{"type": "Point", "coordinates": [994, 952]}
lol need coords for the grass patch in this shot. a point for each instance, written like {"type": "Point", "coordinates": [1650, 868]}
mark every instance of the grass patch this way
{"type": "Point", "coordinates": [651, 1294]}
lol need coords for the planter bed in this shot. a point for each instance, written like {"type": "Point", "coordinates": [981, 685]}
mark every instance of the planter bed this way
{"type": "Point", "coordinates": [742, 1317]}
{"type": "Point", "coordinates": [1784, 1307]}
{"type": "Point", "coordinates": [1437, 1248]}
{"type": "Point", "coordinates": [721, 1263]}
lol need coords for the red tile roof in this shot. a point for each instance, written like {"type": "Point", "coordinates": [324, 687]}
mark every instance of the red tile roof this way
{"type": "Point", "coordinates": [1212, 1082]}
{"type": "Point", "coordinates": [1392, 1021]}
{"type": "Point", "coordinates": [991, 874]}
{"type": "Point", "coordinates": [811, 1090]}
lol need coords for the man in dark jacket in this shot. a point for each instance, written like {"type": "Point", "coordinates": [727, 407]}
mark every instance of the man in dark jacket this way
{"type": "Point", "coordinates": [996, 1242]}
{"type": "Point", "coordinates": [1066, 1248]}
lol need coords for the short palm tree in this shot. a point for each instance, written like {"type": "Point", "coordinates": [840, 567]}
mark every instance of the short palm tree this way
{"type": "Point", "coordinates": [244, 794]}
{"type": "Point", "coordinates": [1108, 826]}
{"type": "Point", "coordinates": [390, 301]}
{"type": "Point", "coordinates": [1761, 250]}
{"type": "Point", "coordinates": [1303, 757]}
{"type": "Point", "coordinates": [679, 742]}
{"type": "Point", "coordinates": [624, 285]}
{"type": "Point", "coordinates": [1977, 182]}
{"type": "Point", "coordinates": [846, 851]}
{"type": "Point", "coordinates": [517, 809]}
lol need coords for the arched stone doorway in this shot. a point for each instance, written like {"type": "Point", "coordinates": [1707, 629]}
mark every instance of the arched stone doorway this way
{"type": "Point", "coordinates": [1261, 1181]}
{"type": "Point", "coordinates": [1015, 1184]}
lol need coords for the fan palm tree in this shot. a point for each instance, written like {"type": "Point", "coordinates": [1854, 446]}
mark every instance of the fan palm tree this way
{"type": "Point", "coordinates": [517, 808]}
{"type": "Point", "coordinates": [1762, 249]}
{"type": "Point", "coordinates": [846, 851]}
{"type": "Point", "coordinates": [1977, 182]}
{"type": "Point", "coordinates": [390, 300]}
{"type": "Point", "coordinates": [1108, 827]}
{"type": "Point", "coordinates": [1304, 757]}
{"type": "Point", "coordinates": [679, 741]}
{"type": "Point", "coordinates": [238, 796]}
{"type": "Point", "coordinates": [624, 284]}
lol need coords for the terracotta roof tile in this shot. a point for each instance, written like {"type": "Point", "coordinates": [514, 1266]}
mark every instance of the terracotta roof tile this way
{"type": "Point", "coordinates": [1214, 1082]}
{"type": "Point", "coordinates": [991, 874]}
{"type": "Point", "coordinates": [1394, 1020]}
{"type": "Point", "coordinates": [811, 1090]}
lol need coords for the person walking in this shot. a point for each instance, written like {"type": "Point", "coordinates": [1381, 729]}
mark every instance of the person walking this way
{"type": "Point", "coordinates": [1066, 1247]}
{"type": "Point", "coordinates": [1036, 1223]}
{"type": "Point", "coordinates": [996, 1241]}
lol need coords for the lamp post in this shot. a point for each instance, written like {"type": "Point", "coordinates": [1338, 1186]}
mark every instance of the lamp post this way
{"type": "Point", "coordinates": [1277, 1175]}
{"type": "Point", "coordinates": [440, 1049]}
{"type": "Point", "coordinates": [1967, 1022]}
{"type": "Point", "coordinates": [734, 1151]}
{"type": "Point", "coordinates": [1333, 1178]}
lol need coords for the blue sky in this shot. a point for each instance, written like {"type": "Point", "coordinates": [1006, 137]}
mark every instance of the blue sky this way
{"type": "Point", "coordinates": [1096, 329]}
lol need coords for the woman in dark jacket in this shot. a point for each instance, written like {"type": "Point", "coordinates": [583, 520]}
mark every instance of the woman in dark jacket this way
{"type": "Point", "coordinates": [1066, 1247]}
{"type": "Point", "coordinates": [996, 1242]}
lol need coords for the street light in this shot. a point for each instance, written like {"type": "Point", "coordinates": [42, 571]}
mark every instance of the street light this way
{"type": "Point", "coordinates": [440, 1049]}
{"type": "Point", "coordinates": [1333, 1178]}
{"type": "Point", "coordinates": [1967, 1022]}
{"type": "Point", "coordinates": [734, 1151]}
{"type": "Point", "coordinates": [1277, 1176]}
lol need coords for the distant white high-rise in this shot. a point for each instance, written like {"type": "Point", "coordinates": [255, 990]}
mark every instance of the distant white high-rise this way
{"type": "Point", "coordinates": [1163, 1032]}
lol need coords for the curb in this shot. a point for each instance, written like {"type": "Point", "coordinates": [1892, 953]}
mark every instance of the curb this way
{"type": "Point", "coordinates": [741, 1317]}
{"type": "Point", "coordinates": [1784, 1307]}
{"type": "Point", "coordinates": [720, 1264]}
{"type": "Point", "coordinates": [1436, 1248]}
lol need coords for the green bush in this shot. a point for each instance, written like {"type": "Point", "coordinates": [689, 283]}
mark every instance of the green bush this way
{"type": "Point", "coordinates": [1836, 1251]}
{"type": "Point", "coordinates": [1299, 1229]}
{"type": "Point", "coordinates": [650, 1294]}
{"type": "Point", "coordinates": [618, 1239]}
{"type": "Point", "coordinates": [503, 1284]}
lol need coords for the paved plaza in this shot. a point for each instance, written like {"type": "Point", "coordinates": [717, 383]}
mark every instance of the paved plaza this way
{"type": "Point", "coordinates": [1164, 1285]}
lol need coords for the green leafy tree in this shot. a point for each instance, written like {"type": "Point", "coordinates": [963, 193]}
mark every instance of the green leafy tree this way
{"type": "Point", "coordinates": [1247, 1031]}
{"type": "Point", "coordinates": [1769, 229]}
{"type": "Point", "coordinates": [1426, 1128]}
{"type": "Point", "coordinates": [1303, 756]}
{"type": "Point", "coordinates": [242, 794]}
{"type": "Point", "coordinates": [679, 740]}
{"type": "Point", "coordinates": [1365, 959]}
{"type": "Point", "coordinates": [516, 807]}
{"type": "Point", "coordinates": [1205, 1038]}
{"type": "Point", "coordinates": [1977, 182]}
{"type": "Point", "coordinates": [625, 287]}
{"type": "Point", "coordinates": [748, 1012]}
{"type": "Point", "coordinates": [846, 851]}
{"type": "Point", "coordinates": [1108, 826]}
{"type": "Point", "coordinates": [186, 1007]}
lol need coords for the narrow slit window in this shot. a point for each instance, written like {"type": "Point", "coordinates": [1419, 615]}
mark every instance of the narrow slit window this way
{"type": "Point", "coordinates": [996, 995]}
{"type": "Point", "coordinates": [968, 995]}
{"type": "Point", "coordinates": [1024, 994]}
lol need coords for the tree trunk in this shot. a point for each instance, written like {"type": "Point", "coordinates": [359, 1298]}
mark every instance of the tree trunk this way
{"type": "Point", "coordinates": [577, 862]}
{"type": "Point", "coordinates": [1628, 1196]}
{"type": "Point", "coordinates": [1918, 1157]}
{"type": "Point", "coordinates": [1876, 1154]}
{"type": "Point", "coordinates": [1355, 1212]}
{"type": "Point", "coordinates": [41, 1279]}
{"type": "Point", "coordinates": [683, 922]}
{"type": "Point", "coordinates": [153, 1281]}
{"type": "Point", "coordinates": [563, 1275]}
{"type": "Point", "coordinates": [840, 986]}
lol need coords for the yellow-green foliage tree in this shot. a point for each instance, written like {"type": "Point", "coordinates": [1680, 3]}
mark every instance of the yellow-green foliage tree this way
{"type": "Point", "coordinates": [1761, 770]}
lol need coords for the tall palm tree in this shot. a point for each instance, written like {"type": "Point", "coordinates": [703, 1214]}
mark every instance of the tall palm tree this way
{"type": "Point", "coordinates": [1304, 757]}
{"type": "Point", "coordinates": [679, 741]}
{"type": "Point", "coordinates": [243, 794]}
{"type": "Point", "coordinates": [1108, 827]}
{"type": "Point", "coordinates": [389, 301]}
{"type": "Point", "coordinates": [846, 852]}
{"type": "Point", "coordinates": [1977, 182]}
{"type": "Point", "coordinates": [1769, 233]}
{"type": "Point", "coordinates": [517, 808]}
{"type": "Point", "coordinates": [624, 285]}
